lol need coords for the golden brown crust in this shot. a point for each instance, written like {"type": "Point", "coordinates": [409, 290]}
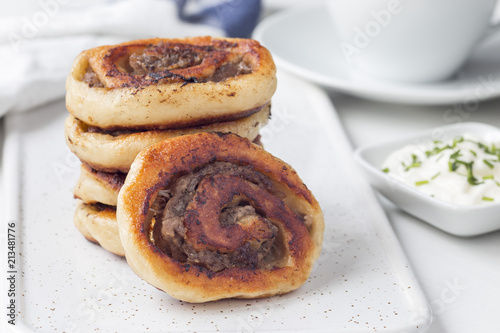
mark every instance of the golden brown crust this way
{"type": "Point", "coordinates": [161, 164]}
{"type": "Point", "coordinates": [98, 224]}
{"type": "Point", "coordinates": [80, 225]}
{"type": "Point", "coordinates": [115, 153]}
{"type": "Point", "coordinates": [96, 186]}
{"type": "Point", "coordinates": [171, 98]}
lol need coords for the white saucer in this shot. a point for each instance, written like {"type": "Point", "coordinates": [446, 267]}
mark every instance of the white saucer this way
{"type": "Point", "coordinates": [302, 42]}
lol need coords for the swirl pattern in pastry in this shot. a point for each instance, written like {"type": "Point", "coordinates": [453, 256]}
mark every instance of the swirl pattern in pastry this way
{"type": "Point", "coordinates": [170, 83]}
{"type": "Point", "coordinates": [211, 216]}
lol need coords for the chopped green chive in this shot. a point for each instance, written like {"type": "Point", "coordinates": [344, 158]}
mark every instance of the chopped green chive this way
{"type": "Point", "coordinates": [455, 155]}
{"type": "Point", "coordinates": [436, 175]}
{"type": "Point", "coordinates": [415, 163]}
{"type": "Point", "coordinates": [454, 163]}
{"type": "Point", "coordinates": [488, 199]}
{"type": "Point", "coordinates": [456, 160]}
{"type": "Point", "coordinates": [488, 163]}
{"type": "Point", "coordinates": [457, 140]}
{"type": "Point", "coordinates": [386, 170]}
{"type": "Point", "coordinates": [452, 166]}
{"type": "Point", "coordinates": [436, 150]}
{"type": "Point", "coordinates": [470, 177]}
{"type": "Point", "coordinates": [493, 150]}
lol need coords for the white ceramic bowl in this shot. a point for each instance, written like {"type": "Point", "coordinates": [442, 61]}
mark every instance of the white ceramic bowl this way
{"type": "Point", "coordinates": [458, 220]}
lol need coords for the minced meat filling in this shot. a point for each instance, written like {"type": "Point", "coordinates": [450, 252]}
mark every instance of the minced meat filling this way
{"type": "Point", "coordinates": [169, 231]}
{"type": "Point", "coordinates": [159, 58]}
{"type": "Point", "coordinates": [90, 77]}
{"type": "Point", "coordinates": [163, 57]}
{"type": "Point", "coordinates": [230, 70]}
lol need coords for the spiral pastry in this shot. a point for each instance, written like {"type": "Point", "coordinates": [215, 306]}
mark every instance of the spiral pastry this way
{"type": "Point", "coordinates": [170, 83]}
{"type": "Point", "coordinates": [94, 186]}
{"type": "Point", "coordinates": [115, 151]}
{"type": "Point", "coordinates": [211, 216]}
{"type": "Point", "coordinates": [97, 223]}
{"type": "Point", "coordinates": [95, 215]}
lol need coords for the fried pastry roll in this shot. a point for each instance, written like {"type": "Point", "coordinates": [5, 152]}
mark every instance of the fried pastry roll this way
{"type": "Point", "coordinates": [211, 216]}
{"type": "Point", "coordinates": [94, 186]}
{"type": "Point", "coordinates": [170, 83]}
{"type": "Point", "coordinates": [115, 151]}
{"type": "Point", "coordinates": [97, 223]}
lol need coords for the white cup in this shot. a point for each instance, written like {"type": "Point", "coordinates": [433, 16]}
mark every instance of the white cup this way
{"type": "Point", "coordinates": [410, 40]}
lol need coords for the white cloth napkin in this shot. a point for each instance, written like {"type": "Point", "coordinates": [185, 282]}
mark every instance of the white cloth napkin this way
{"type": "Point", "coordinates": [40, 39]}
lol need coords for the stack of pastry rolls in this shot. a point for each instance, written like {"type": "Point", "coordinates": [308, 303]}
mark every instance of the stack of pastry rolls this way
{"type": "Point", "coordinates": [126, 97]}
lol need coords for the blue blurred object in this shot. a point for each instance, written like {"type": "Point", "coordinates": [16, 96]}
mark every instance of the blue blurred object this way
{"type": "Point", "coordinates": [236, 17]}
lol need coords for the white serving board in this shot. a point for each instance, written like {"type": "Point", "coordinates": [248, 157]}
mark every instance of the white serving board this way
{"type": "Point", "coordinates": [361, 283]}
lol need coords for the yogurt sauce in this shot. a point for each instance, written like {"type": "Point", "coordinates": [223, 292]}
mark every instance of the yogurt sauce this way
{"type": "Point", "coordinates": [461, 171]}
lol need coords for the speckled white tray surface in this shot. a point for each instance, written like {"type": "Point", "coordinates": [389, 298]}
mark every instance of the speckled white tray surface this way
{"type": "Point", "coordinates": [361, 283]}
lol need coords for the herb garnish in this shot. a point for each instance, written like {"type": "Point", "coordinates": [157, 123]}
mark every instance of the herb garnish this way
{"type": "Point", "coordinates": [493, 150]}
{"type": "Point", "coordinates": [436, 150]}
{"type": "Point", "coordinates": [470, 176]}
{"type": "Point", "coordinates": [415, 163]}
{"type": "Point", "coordinates": [488, 163]}
{"type": "Point", "coordinates": [436, 175]}
{"type": "Point", "coordinates": [473, 161]}
{"type": "Point", "coordinates": [454, 163]}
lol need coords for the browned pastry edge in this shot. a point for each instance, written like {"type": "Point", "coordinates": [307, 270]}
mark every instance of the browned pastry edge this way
{"type": "Point", "coordinates": [113, 68]}
{"type": "Point", "coordinates": [130, 101]}
{"type": "Point", "coordinates": [157, 166]}
{"type": "Point", "coordinates": [97, 223]}
{"type": "Point", "coordinates": [175, 125]}
{"type": "Point", "coordinates": [96, 186]}
{"type": "Point", "coordinates": [115, 153]}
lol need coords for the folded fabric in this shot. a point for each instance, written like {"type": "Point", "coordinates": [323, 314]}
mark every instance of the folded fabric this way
{"type": "Point", "coordinates": [37, 49]}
